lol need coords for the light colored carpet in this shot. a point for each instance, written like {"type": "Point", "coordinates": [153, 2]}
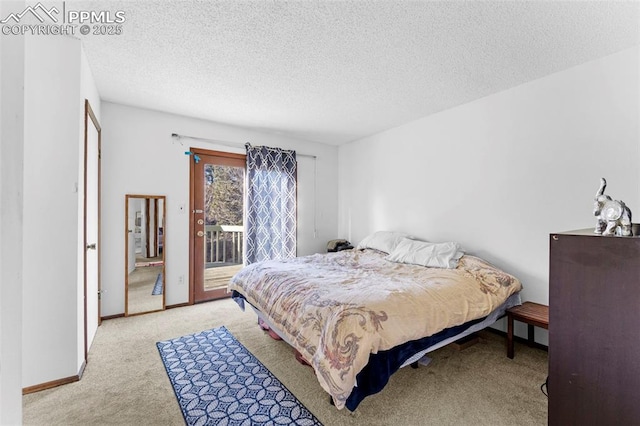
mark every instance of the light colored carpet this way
{"type": "Point", "coordinates": [141, 282]}
{"type": "Point", "coordinates": [125, 382]}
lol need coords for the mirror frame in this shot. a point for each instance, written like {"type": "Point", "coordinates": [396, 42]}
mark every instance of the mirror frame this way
{"type": "Point", "coordinates": [126, 251]}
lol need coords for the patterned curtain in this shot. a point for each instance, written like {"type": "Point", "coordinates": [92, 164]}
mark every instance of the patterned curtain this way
{"type": "Point", "coordinates": [271, 204]}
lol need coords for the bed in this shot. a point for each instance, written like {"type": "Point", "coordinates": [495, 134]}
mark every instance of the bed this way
{"type": "Point", "coordinates": [357, 316]}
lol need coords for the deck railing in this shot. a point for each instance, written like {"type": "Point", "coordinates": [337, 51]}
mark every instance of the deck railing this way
{"type": "Point", "coordinates": [223, 244]}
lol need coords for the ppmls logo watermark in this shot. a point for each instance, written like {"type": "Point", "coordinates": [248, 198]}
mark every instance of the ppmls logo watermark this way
{"type": "Point", "coordinates": [42, 20]}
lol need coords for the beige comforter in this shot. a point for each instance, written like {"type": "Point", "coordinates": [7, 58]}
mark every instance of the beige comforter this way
{"type": "Point", "coordinates": [337, 308]}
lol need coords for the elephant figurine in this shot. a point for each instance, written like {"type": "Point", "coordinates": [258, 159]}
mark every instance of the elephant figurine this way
{"type": "Point", "coordinates": [614, 217]}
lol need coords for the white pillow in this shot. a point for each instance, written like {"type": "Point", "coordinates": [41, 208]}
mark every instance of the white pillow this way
{"type": "Point", "coordinates": [385, 241]}
{"type": "Point", "coordinates": [435, 255]}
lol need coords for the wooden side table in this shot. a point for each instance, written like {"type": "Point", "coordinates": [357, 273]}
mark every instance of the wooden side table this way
{"type": "Point", "coordinates": [533, 314]}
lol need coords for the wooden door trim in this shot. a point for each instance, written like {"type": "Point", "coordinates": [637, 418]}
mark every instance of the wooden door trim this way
{"type": "Point", "coordinates": [95, 121]}
{"type": "Point", "coordinates": [88, 114]}
{"type": "Point", "coordinates": [156, 246]}
{"type": "Point", "coordinates": [147, 230]}
{"type": "Point", "coordinates": [126, 253]}
{"type": "Point", "coordinates": [192, 191]}
{"type": "Point", "coordinates": [199, 151]}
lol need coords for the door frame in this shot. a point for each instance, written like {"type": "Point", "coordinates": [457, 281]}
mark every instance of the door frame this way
{"type": "Point", "coordinates": [192, 208]}
{"type": "Point", "coordinates": [90, 115]}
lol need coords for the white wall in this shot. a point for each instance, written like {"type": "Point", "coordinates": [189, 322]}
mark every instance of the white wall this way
{"type": "Point", "coordinates": [57, 80]}
{"type": "Point", "coordinates": [88, 91]}
{"type": "Point", "coordinates": [11, 223]}
{"type": "Point", "coordinates": [501, 173]}
{"type": "Point", "coordinates": [141, 157]}
{"type": "Point", "coordinates": [52, 72]}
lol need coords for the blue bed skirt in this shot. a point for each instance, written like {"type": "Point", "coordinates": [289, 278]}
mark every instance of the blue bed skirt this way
{"type": "Point", "coordinates": [375, 375]}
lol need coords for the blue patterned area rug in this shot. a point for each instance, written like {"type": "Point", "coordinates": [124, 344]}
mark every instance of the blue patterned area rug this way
{"type": "Point", "coordinates": [157, 287]}
{"type": "Point", "coordinates": [219, 382]}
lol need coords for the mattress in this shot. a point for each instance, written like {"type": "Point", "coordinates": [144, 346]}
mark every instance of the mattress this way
{"type": "Point", "coordinates": [340, 310]}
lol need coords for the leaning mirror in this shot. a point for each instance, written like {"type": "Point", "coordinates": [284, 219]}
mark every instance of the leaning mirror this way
{"type": "Point", "coordinates": [145, 250]}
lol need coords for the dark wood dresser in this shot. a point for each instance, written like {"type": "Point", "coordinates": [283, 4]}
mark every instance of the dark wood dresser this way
{"type": "Point", "coordinates": [594, 329]}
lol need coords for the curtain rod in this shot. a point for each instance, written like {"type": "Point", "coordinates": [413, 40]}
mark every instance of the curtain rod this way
{"type": "Point", "coordinates": [227, 143]}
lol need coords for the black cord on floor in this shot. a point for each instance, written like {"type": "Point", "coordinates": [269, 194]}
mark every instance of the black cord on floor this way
{"type": "Point", "coordinates": [545, 386]}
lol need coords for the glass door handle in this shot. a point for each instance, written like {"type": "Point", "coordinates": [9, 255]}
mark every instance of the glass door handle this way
{"type": "Point", "coordinates": [200, 234]}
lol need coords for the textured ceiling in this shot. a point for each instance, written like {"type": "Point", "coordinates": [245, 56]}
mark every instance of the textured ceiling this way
{"type": "Point", "coordinates": [335, 71]}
